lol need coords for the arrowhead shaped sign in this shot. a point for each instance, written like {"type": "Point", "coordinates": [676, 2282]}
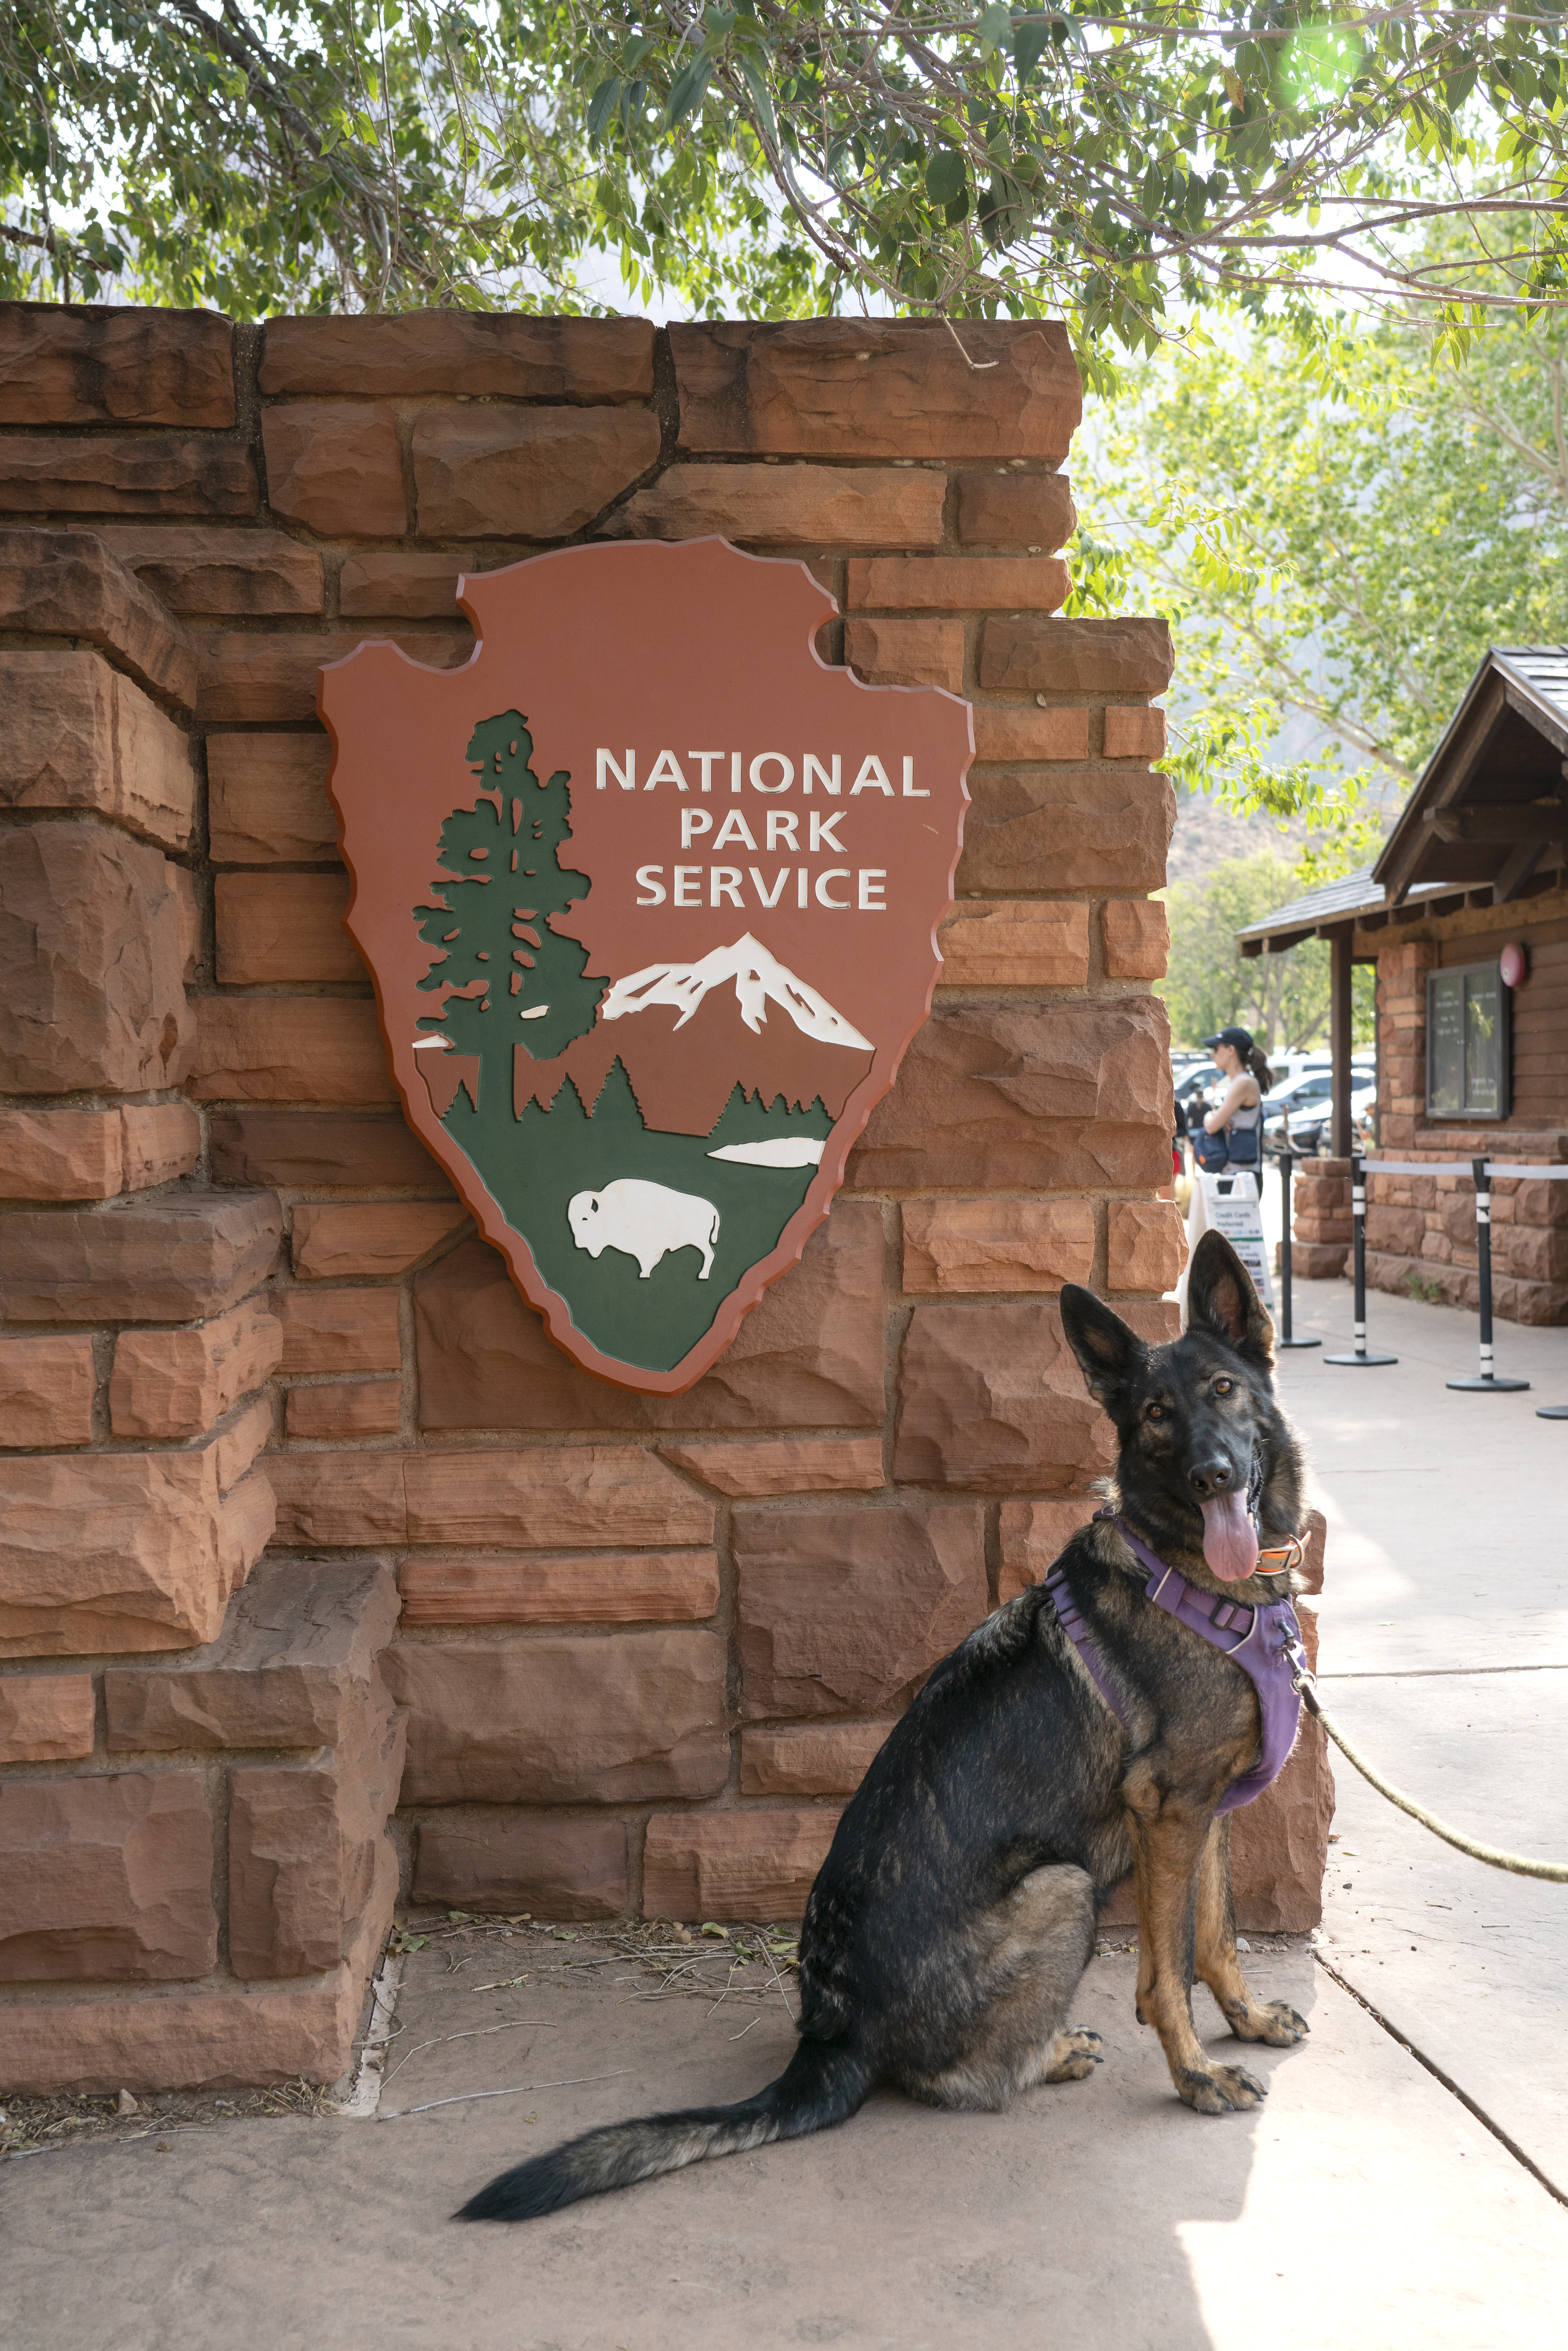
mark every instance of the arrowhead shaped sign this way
{"type": "Point", "coordinates": [650, 896]}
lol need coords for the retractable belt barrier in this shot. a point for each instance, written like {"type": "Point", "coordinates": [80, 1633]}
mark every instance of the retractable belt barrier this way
{"type": "Point", "coordinates": [1480, 1172]}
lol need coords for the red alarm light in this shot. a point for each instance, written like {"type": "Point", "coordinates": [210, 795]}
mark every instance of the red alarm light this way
{"type": "Point", "coordinates": [1513, 965]}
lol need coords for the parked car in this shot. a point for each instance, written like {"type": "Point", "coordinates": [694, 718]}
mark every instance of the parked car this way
{"type": "Point", "coordinates": [1311, 1091]}
{"type": "Point", "coordinates": [1309, 1130]}
{"type": "Point", "coordinates": [1195, 1079]}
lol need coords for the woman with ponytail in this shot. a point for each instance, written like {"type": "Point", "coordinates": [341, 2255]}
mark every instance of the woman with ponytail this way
{"type": "Point", "coordinates": [1236, 1121]}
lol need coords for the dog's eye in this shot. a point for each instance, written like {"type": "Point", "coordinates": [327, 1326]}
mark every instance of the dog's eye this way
{"type": "Point", "coordinates": [1223, 1387]}
{"type": "Point", "coordinates": [1155, 1412]}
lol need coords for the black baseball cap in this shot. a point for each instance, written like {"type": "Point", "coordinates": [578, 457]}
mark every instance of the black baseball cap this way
{"type": "Point", "coordinates": [1240, 1038]}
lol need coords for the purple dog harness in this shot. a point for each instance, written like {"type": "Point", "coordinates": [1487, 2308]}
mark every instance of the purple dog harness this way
{"type": "Point", "coordinates": [1265, 1641]}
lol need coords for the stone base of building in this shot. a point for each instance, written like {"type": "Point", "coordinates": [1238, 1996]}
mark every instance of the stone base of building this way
{"type": "Point", "coordinates": [127, 1959]}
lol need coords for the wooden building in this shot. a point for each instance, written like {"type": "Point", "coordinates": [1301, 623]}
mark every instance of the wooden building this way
{"type": "Point", "coordinates": [1464, 916]}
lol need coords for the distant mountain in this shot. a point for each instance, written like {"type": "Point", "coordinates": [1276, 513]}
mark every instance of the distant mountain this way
{"type": "Point", "coordinates": [759, 978]}
{"type": "Point", "coordinates": [682, 1070]}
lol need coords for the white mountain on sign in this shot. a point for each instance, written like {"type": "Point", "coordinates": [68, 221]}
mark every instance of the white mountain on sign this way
{"type": "Point", "coordinates": [759, 978]}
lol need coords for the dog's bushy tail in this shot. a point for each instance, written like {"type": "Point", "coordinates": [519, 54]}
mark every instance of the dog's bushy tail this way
{"type": "Point", "coordinates": [821, 2085]}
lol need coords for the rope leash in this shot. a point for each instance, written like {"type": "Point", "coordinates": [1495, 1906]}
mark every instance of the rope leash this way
{"type": "Point", "coordinates": [1493, 1855]}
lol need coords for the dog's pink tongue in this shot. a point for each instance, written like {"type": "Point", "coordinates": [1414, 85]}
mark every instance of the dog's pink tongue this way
{"type": "Point", "coordinates": [1230, 1539]}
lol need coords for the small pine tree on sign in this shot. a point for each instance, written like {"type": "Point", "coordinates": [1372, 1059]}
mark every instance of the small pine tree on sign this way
{"type": "Point", "coordinates": [506, 977]}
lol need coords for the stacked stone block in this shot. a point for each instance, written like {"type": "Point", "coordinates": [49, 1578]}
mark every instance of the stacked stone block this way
{"type": "Point", "coordinates": [646, 1645]}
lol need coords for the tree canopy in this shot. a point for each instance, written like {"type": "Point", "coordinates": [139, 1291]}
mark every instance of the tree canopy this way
{"type": "Point", "coordinates": [1336, 549]}
{"type": "Point", "coordinates": [1284, 1000]}
{"type": "Point", "coordinates": [1117, 160]}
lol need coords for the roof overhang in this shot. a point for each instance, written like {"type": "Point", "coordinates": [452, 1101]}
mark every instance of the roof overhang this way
{"type": "Point", "coordinates": [1490, 811]}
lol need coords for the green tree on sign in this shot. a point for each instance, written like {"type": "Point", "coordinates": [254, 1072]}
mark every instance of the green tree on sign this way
{"type": "Point", "coordinates": [506, 977]}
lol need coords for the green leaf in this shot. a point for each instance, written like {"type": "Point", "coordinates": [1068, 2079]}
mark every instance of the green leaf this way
{"type": "Point", "coordinates": [602, 104]}
{"type": "Point", "coordinates": [686, 91]}
{"type": "Point", "coordinates": [1030, 41]}
{"type": "Point", "coordinates": [947, 177]}
{"type": "Point", "coordinates": [994, 28]}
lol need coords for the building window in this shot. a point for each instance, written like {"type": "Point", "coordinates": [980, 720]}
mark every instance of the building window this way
{"type": "Point", "coordinates": [1467, 1042]}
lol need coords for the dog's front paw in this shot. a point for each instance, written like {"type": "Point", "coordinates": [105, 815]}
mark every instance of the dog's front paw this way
{"type": "Point", "coordinates": [1272, 2021]}
{"type": "Point", "coordinates": [1074, 2053]}
{"type": "Point", "coordinates": [1222, 2090]}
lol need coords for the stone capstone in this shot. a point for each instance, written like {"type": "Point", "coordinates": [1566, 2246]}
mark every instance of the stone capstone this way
{"type": "Point", "coordinates": [840, 1611]}
{"type": "Point", "coordinates": [618, 1720]}
{"type": "Point", "coordinates": [98, 364]}
{"type": "Point", "coordinates": [502, 1861]}
{"type": "Point", "coordinates": [471, 353]}
{"type": "Point", "coordinates": [107, 1877]}
{"type": "Point", "coordinates": [876, 388]}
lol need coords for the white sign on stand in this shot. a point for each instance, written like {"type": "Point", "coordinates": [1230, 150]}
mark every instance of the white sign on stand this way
{"type": "Point", "coordinates": [1233, 1205]}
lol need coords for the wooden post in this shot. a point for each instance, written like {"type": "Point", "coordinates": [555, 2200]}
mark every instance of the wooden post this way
{"type": "Point", "coordinates": [1338, 1040]}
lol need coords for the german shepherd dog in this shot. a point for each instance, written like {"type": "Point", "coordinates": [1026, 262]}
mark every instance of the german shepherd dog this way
{"type": "Point", "coordinates": [955, 1914]}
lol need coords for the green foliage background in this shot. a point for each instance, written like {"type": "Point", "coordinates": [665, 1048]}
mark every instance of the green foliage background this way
{"type": "Point", "coordinates": [1284, 1000]}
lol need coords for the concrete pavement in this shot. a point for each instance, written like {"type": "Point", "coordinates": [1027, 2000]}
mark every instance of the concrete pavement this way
{"type": "Point", "coordinates": [1360, 2206]}
{"type": "Point", "coordinates": [1364, 2206]}
{"type": "Point", "coordinates": [1445, 1647]}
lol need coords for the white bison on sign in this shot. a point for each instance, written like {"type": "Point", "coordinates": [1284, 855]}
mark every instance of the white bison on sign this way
{"type": "Point", "coordinates": [645, 1220]}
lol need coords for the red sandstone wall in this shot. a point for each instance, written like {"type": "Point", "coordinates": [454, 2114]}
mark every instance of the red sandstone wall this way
{"type": "Point", "coordinates": [646, 1647]}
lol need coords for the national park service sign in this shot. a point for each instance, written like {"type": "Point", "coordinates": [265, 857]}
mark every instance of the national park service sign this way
{"type": "Point", "coordinates": [650, 896]}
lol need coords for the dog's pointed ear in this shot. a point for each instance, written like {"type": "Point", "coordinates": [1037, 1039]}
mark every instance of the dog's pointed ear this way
{"type": "Point", "coordinates": [1221, 1301]}
{"type": "Point", "coordinates": [1108, 1351]}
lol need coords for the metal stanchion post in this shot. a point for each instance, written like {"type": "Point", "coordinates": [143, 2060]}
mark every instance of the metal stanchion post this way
{"type": "Point", "coordinates": [1486, 1377]}
{"type": "Point", "coordinates": [1285, 1337]}
{"type": "Point", "coordinates": [1360, 1354]}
